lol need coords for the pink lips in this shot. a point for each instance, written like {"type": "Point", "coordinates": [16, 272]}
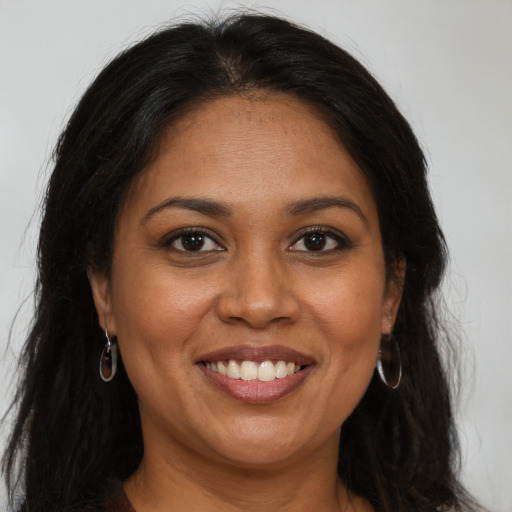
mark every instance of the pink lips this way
{"type": "Point", "coordinates": [256, 391]}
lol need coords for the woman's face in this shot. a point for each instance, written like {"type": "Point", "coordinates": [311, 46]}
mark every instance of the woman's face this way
{"type": "Point", "coordinates": [251, 246]}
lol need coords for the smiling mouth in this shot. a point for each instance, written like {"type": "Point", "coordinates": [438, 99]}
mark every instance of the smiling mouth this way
{"type": "Point", "coordinates": [264, 371]}
{"type": "Point", "coordinates": [255, 373]}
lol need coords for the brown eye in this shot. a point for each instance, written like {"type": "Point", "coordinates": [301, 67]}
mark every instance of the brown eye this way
{"type": "Point", "coordinates": [319, 241]}
{"type": "Point", "coordinates": [195, 242]}
{"type": "Point", "coordinates": [192, 242]}
{"type": "Point", "coordinates": [315, 241]}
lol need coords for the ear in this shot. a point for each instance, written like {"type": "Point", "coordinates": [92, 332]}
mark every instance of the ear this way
{"type": "Point", "coordinates": [392, 296]}
{"type": "Point", "coordinates": [102, 295]}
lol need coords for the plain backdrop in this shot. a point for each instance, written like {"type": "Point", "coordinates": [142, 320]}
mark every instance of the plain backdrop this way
{"type": "Point", "coordinates": [448, 65]}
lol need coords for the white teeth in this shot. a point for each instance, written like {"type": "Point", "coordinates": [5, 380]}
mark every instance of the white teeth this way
{"type": "Point", "coordinates": [281, 371]}
{"type": "Point", "coordinates": [248, 370]}
{"type": "Point", "coordinates": [233, 370]}
{"type": "Point", "coordinates": [221, 368]}
{"type": "Point", "coordinates": [265, 371]}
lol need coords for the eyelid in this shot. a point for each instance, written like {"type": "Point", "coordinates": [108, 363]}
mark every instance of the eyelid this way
{"type": "Point", "coordinates": [167, 240]}
{"type": "Point", "coordinates": [341, 239]}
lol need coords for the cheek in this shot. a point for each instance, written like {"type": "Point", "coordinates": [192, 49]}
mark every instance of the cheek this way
{"type": "Point", "coordinates": [158, 316]}
{"type": "Point", "coordinates": [350, 305]}
{"type": "Point", "coordinates": [157, 311]}
{"type": "Point", "coordinates": [348, 313]}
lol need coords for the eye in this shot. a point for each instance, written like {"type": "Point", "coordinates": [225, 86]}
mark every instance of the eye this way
{"type": "Point", "coordinates": [320, 240]}
{"type": "Point", "coordinates": [193, 241]}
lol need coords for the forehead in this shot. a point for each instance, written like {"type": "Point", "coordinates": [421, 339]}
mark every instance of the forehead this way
{"type": "Point", "coordinates": [266, 149]}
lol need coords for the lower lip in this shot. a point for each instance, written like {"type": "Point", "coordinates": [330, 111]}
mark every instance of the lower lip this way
{"type": "Point", "coordinates": [256, 391]}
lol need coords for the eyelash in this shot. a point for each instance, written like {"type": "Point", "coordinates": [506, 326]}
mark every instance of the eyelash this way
{"type": "Point", "coordinates": [168, 241]}
{"type": "Point", "coordinates": [342, 242]}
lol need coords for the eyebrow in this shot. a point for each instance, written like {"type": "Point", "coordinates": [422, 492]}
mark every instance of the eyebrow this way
{"type": "Point", "coordinates": [216, 209]}
{"type": "Point", "coordinates": [204, 206]}
{"type": "Point", "coordinates": [316, 204]}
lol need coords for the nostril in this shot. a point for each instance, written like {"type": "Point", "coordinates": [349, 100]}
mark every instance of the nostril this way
{"type": "Point", "coordinates": [256, 316]}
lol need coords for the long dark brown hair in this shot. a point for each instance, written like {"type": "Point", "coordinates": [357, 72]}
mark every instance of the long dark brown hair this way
{"type": "Point", "coordinates": [74, 432]}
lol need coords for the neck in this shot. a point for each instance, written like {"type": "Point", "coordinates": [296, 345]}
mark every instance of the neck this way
{"type": "Point", "coordinates": [176, 478]}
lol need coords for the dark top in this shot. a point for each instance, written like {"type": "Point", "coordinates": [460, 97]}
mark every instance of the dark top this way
{"type": "Point", "coordinates": [118, 501]}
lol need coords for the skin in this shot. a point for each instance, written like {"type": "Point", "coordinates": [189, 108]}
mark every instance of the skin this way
{"type": "Point", "coordinates": [256, 283]}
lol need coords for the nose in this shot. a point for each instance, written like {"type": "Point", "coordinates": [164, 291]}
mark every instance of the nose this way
{"type": "Point", "coordinates": [258, 293]}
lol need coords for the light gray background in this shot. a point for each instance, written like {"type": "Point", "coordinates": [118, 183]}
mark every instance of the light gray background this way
{"type": "Point", "coordinates": [448, 64]}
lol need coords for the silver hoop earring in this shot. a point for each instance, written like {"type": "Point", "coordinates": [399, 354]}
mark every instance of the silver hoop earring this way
{"type": "Point", "coordinates": [389, 364]}
{"type": "Point", "coordinates": [108, 360]}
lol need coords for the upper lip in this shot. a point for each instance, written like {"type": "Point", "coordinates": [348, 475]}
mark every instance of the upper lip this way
{"type": "Point", "coordinates": [258, 353]}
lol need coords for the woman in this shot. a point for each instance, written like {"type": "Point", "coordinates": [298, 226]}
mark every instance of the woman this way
{"type": "Point", "coordinates": [237, 231]}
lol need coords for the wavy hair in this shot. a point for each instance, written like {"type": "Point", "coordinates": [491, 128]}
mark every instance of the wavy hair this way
{"type": "Point", "coordinates": [73, 432]}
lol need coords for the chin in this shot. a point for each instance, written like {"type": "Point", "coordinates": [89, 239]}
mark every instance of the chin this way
{"type": "Point", "coordinates": [266, 443]}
